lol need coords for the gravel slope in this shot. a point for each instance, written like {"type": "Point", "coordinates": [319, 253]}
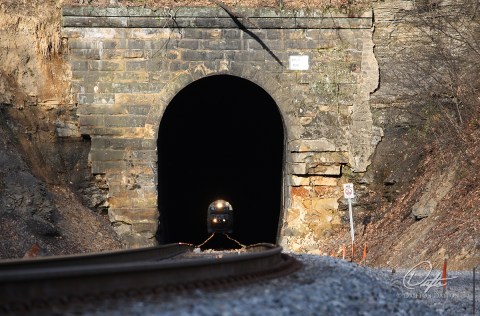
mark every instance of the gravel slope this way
{"type": "Point", "coordinates": [325, 286]}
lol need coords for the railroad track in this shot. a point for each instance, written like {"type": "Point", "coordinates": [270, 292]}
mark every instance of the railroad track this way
{"type": "Point", "coordinates": [31, 284]}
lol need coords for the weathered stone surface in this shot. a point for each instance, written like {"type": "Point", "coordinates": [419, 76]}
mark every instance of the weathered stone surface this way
{"type": "Point", "coordinates": [304, 145]}
{"type": "Point", "coordinates": [297, 168]}
{"type": "Point", "coordinates": [127, 71]}
{"type": "Point", "coordinates": [131, 216]}
{"type": "Point", "coordinates": [67, 129]}
{"type": "Point", "coordinates": [319, 169]}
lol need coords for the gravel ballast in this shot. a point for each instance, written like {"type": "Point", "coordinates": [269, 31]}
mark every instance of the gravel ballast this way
{"type": "Point", "coordinates": [324, 286]}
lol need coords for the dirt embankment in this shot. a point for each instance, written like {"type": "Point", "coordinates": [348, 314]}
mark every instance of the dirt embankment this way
{"type": "Point", "coordinates": [429, 206]}
{"type": "Point", "coordinates": [44, 176]}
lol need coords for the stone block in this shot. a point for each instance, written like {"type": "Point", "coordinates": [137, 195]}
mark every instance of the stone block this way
{"type": "Point", "coordinates": [107, 155]}
{"type": "Point", "coordinates": [194, 33]}
{"type": "Point", "coordinates": [108, 167]}
{"type": "Point", "coordinates": [327, 157]}
{"type": "Point", "coordinates": [327, 191]}
{"type": "Point", "coordinates": [299, 181]}
{"type": "Point", "coordinates": [130, 76]}
{"type": "Point", "coordinates": [322, 204]}
{"type": "Point", "coordinates": [147, 229]}
{"type": "Point", "coordinates": [150, 202]}
{"type": "Point", "coordinates": [222, 44]}
{"type": "Point", "coordinates": [84, 54]}
{"type": "Point", "coordinates": [301, 192]}
{"type": "Point", "coordinates": [326, 93]}
{"type": "Point", "coordinates": [91, 120]}
{"type": "Point", "coordinates": [192, 44]}
{"type": "Point", "coordinates": [92, 21]}
{"type": "Point", "coordinates": [125, 120]}
{"type": "Point", "coordinates": [153, 33]}
{"type": "Point", "coordinates": [201, 55]}
{"type": "Point", "coordinates": [131, 216]}
{"type": "Point", "coordinates": [242, 56]}
{"type": "Point", "coordinates": [346, 94]}
{"type": "Point", "coordinates": [141, 110]}
{"type": "Point", "coordinates": [300, 157]}
{"type": "Point", "coordinates": [138, 98]}
{"type": "Point", "coordinates": [133, 53]}
{"type": "Point", "coordinates": [101, 109]}
{"type": "Point", "coordinates": [103, 33]}
{"type": "Point", "coordinates": [175, 66]}
{"type": "Point", "coordinates": [79, 65]}
{"type": "Point", "coordinates": [297, 168]}
{"type": "Point", "coordinates": [133, 132]}
{"type": "Point", "coordinates": [136, 65]}
{"type": "Point", "coordinates": [319, 169]}
{"type": "Point", "coordinates": [211, 33]}
{"type": "Point", "coordinates": [98, 76]}
{"type": "Point", "coordinates": [311, 145]}
{"type": "Point", "coordinates": [327, 181]}
{"type": "Point", "coordinates": [103, 65]}
{"type": "Point", "coordinates": [229, 34]}
{"type": "Point", "coordinates": [147, 155]}
{"type": "Point", "coordinates": [120, 209]}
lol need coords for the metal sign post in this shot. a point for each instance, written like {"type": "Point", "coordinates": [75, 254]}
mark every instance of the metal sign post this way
{"type": "Point", "coordinates": [349, 194]}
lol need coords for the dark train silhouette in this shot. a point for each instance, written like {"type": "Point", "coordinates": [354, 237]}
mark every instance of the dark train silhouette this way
{"type": "Point", "coordinates": [220, 217]}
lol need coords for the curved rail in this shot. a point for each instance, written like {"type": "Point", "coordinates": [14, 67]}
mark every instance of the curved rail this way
{"type": "Point", "coordinates": [117, 256]}
{"type": "Point", "coordinates": [25, 285]}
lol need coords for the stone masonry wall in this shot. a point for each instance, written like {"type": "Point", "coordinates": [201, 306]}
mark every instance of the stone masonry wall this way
{"type": "Point", "coordinates": [128, 63]}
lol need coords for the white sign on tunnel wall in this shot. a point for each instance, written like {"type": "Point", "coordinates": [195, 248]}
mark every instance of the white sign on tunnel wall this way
{"type": "Point", "coordinates": [348, 192]}
{"type": "Point", "coordinates": [298, 62]}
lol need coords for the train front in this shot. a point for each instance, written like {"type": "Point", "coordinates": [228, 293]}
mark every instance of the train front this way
{"type": "Point", "coordinates": [220, 217]}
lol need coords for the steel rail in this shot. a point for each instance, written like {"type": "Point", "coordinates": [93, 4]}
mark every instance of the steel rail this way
{"type": "Point", "coordinates": [27, 286]}
{"type": "Point", "coordinates": [141, 254]}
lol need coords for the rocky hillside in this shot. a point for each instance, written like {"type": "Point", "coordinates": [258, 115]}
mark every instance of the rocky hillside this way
{"type": "Point", "coordinates": [49, 202]}
{"type": "Point", "coordinates": [419, 200]}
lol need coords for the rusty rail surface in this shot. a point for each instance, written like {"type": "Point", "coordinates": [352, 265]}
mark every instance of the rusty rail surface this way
{"type": "Point", "coordinates": [32, 283]}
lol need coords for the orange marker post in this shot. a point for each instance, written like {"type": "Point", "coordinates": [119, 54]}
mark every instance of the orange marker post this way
{"type": "Point", "coordinates": [364, 256]}
{"type": "Point", "coordinates": [344, 251]}
{"type": "Point", "coordinates": [444, 275]}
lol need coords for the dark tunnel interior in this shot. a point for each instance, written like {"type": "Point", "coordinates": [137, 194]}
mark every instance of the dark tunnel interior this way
{"type": "Point", "coordinates": [221, 137]}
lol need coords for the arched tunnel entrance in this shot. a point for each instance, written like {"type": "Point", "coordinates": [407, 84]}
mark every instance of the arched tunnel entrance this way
{"type": "Point", "coordinates": [221, 137]}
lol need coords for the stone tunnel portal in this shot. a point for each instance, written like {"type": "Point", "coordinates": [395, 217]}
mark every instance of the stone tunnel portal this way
{"type": "Point", "coordinates": [221, 137]}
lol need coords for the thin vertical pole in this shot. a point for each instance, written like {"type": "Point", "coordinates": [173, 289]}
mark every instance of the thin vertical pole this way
{"type": "Point", "coordinates": [352, 232]}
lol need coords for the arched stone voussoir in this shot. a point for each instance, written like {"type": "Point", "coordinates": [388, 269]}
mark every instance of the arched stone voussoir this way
{"type": "Point", "coordinates": [266, 81]}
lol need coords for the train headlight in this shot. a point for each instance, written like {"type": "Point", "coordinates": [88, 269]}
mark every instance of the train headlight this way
{"type": "Point", "coordinates": [220, 217]}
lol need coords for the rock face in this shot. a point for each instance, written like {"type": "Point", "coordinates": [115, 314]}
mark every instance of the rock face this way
{"type": "Point", "coordinates": [23, 196]}
{"type": "Point", "coordinates": [35, 212]}
{"type": "Point", "coordinates": [128, 63]}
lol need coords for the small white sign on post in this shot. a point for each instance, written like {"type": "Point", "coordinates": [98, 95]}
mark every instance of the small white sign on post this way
{"type": "Point", "coordinates": [298, 62]}
{"type": "Point", "coordinates": [349, 194]}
